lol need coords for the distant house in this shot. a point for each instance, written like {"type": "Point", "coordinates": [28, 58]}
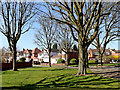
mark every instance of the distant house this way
{"type": "Point", "coordinates": [71, 54]}
{"type": "Point", "coordinates": [37, 55]}
{"type": "Point", "coordinates": [20, 54]}
{"type": "Point", "coordinates": [34, 55]}
{"type": "Point", "coordinates": [8, 57]}
{"type": "Point", "coordinates": [115, 52]}
{"type": "Point", "coordinates": [43, 55]}
{"type": "Point", "coordinates": [55, 58]}
{"type": "Point", "coordinates": [27, 54]}
{"type": "Point", "coordinates": [93, 53]}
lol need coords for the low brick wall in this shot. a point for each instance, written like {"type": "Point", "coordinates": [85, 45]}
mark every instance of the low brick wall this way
{"type": "Point", "coordinates": [44, 64]}
{"type": "Point", "coordinates": [7, 66]}
{"type": "Point", "coordinates": [59, 64]}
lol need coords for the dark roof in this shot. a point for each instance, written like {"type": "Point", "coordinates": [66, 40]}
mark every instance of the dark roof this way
{"type": "Point", "coordinates": [95, 50]}
{"type": "Point", "coordinates": [28, 51]}
{"type": "Point", "coordinates": [116, 51]}
{"type": "Point", "coordinates": [36, 50]}
{"type": "Point", "coordinates": [54, 50]}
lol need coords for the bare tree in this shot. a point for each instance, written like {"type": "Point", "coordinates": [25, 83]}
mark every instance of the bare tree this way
{"type": "Point", "coordinates": [109, 31]}
{"type": "Point", "coordinates": [15, 17]}
{"type": "Point", "coordinates": [65, 40]}
{"type": "Point", "coordinates": [82, 17]}
{"type": "Point", "coordinates": [4, 54]}
{"type": "Point", "coordinates": [45, 36]}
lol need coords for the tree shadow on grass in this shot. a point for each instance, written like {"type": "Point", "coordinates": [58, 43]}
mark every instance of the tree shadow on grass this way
{"type": "Point", "coordinates": [113, 74]}
{"type": "Point", "coordinates": [66, 82]}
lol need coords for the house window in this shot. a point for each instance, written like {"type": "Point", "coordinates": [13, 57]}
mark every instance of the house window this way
{"type": "Point", "coordinates": [107, 53]}
{"type": "Point", "coordinates": [95, 53]}
{"type": "Point", "coordinates": [35, 56]}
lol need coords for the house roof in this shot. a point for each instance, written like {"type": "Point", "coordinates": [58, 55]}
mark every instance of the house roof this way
{"type": "Point", "coordinates": [71, 50]}
{"type": "Point", "coordinates": [41, 52]}
{"type": "Point", "coordinates": [36, 50]}
{"type": "Point", "coordinates": [95, 50]}
{"type": "Point", "coordinates": [54, 50]}
{"type": "Point", "coordinates": [20, 52]}
{"type": "Point", "coordinates": [56, 56]}
{"type": "Point", "coordinates": [116, 51]}
{"type": "Point", "coordinates": [28, 51]}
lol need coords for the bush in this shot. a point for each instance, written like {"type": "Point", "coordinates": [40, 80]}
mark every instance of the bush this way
{"type": "Point", "coordinates": [60, 60]}
{"type": "Point", "coordinates": [73, 61]}
{"type": "Point", "coordinates": [42, 61]}
{"type": "Point", "coordinates": [92, 61]}
{"type": "Point", "coordinates": [22, 59]}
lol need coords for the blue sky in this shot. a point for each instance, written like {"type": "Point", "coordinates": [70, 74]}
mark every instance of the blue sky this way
{"type": "Point", "coordinates": [27, 40]}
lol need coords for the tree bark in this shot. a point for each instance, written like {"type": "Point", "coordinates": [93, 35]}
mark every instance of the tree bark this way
{"type": "Point", "coordinates": [86, 57]}
{"type": "Point", "coordinates": [101, 56]}
{"type": "Point", "coordinates": [49, 57]}
{"type": "Point", "coordinates": [82, 60]}
{"type": "Point", "coordinates": [67, 59]}
{"type": "Point", "coordinates": [14, 57]}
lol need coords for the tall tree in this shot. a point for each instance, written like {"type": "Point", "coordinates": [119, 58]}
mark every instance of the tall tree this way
{"type": "Point", "coordinates": [4, 52]}
{"type": "Point", "coordinates": [15, 17]}
{"type": "Point", "coordinates": [82, 17]}
{"type": "Point", "coordinates": [108, 33]}
{"type": "Point", "coordinates": [65, 40]}
{"type": "Point", "coordinates": [46, 35]}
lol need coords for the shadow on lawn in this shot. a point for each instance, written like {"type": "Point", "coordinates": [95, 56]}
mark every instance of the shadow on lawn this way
{"type": "Point", "coordinates": [113, 74]}
{"type": "Point", "coordinates": [67, 82]}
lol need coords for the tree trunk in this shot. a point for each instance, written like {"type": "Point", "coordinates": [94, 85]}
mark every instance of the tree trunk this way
{"type": "Point", "coordinates": [14, 57]}
{"type": "Point", "coordinates": [86, 57]}
{"type": "Point", "coordinates": [82, 60]}
{"type": "Point", "coordinates": [49, 58]}
{"type": "Point", "coordinates": [101, 56]}
{"type": "Point", "coordinates": [67, 59]}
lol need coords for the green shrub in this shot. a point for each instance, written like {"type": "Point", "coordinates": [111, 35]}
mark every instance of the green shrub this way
{"type": "Point", "coordinates": [42, 61]}
{"type": "Point", "coordinates": [91, 61]}
{"type": "Point", "coordinates": [73, 61]}
{"type": "Point", "coordinates": [22, 59]}
{"type": "Point", "coordinates": [60, 60]}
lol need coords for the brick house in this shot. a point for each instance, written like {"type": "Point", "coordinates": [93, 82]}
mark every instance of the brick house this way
{"type": "Point", "coordinates": [93, 53]}
{"type": "Point", "coordinates": [27, 54]}
{"type": "Point", "coordinates": [72, 54]}
{"type": "Point", "coordinates": [115, 52]}
{"type": "Point", "coordinates": [34, 56]}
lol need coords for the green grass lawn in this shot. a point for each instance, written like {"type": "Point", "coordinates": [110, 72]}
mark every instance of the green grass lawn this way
{"type": "Point", "coordinates": [45, 78]}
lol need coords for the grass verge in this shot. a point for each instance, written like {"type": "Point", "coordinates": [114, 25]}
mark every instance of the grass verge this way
{"type": "Point", "coordinates": [45, 78]}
